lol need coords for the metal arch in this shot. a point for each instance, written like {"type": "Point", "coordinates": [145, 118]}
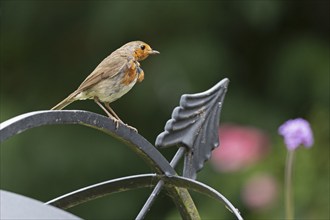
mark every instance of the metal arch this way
{"type": "Point", "coordinates": [139, 144]}
{"type": "Point", "coordinates": [104, 188]}
{"type": "Point", "coordinates": [135, 182]}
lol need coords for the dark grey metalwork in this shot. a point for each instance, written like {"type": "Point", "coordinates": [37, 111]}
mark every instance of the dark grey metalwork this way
{"type": "Point", "coordinates": [152, 198]}
{"type": "Point", "coordinates": [193, 126]}
{"type": "Point", "coordinates": [137, 143]}
{"type": "Point", "coordinates": [134, 182]}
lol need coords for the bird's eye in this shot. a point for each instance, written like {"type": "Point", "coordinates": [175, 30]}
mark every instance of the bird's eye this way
{"type": "Point", "coordinates": [143, 47]}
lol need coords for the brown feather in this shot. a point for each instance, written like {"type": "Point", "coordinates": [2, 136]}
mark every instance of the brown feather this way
{"type": "Point", "coordinates": [67, 101]}
{"type": "Point", "coordinates": [109, 67]}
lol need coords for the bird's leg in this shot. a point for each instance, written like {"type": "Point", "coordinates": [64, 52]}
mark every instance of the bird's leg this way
{"type": "Point", "coordinates": [113, 113]}
{"type": "Point", "coordinates": [114, 117]}
{"type": "Point", "coordinates": [106, 104]}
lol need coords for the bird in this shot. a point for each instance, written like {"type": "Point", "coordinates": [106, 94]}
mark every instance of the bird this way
{"type": "Point", "coordinates": [112, 78]}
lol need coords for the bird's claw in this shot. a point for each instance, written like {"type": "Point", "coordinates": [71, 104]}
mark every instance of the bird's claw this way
{"type": "Point", "coordinates": [117, 122]}
{"type": "Point", "coordinates": [131, 127]}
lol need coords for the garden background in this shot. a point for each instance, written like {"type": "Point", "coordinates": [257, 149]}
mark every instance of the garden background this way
{"type": "Point", "coordinates": [275, 53]}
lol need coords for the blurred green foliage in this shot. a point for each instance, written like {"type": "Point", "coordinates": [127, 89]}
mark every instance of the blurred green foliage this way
{"type": "Point", "coordinates": [276, 54]}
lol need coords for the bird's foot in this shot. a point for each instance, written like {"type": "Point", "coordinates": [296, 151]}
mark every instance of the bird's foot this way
{"type": "Point", "coordinates": [132, 128]}
{"type": "Point", "coordinates": [118, 121]}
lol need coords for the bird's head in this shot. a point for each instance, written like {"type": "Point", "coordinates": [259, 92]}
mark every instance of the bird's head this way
{"type": "Point", "coordinates": [139, 49]}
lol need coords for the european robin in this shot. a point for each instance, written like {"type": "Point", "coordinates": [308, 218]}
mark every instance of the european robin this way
{"type": "Point", "coordinates": [112, 78]}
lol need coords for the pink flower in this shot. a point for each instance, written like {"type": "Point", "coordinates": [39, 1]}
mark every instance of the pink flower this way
{"type": "Point", "coordinates": [240, 147]}
{"type": "Point", "coordinates": [260, 192]}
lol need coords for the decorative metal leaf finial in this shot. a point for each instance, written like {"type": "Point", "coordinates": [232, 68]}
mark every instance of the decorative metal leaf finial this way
{"type": "Point", "coordinates": [194, 124]}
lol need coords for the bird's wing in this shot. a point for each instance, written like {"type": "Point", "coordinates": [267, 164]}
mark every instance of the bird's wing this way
{"type": "Point", "coordinates": [109, 67]}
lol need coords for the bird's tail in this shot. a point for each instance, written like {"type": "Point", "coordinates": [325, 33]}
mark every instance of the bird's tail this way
{"type": "Point", "coordinates": [67, 101]}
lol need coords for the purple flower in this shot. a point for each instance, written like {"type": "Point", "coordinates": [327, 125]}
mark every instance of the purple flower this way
{"type": "Point", "coordinates": [296, 132]}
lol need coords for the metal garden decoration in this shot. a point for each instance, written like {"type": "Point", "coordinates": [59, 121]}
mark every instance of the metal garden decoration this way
{"type": "Point", "coordinates": [192, 128]}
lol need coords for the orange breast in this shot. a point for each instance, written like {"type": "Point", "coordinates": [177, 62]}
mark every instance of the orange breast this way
{"type": "Point", "coordinates": [130, 75]}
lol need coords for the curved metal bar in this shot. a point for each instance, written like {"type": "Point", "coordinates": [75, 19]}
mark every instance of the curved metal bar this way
{"type": "Point", "coordinates": [135, 182]}
{"type": "Point", "coordinates": [139, 144]}
{"type": "Point", "coordinates": [202, 188]}
{"type": "Point", "coordinates": [104, 188]}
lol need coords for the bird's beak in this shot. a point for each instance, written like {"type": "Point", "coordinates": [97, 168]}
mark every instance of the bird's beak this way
{"type": "Point", "coordinates": [154, 52]}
